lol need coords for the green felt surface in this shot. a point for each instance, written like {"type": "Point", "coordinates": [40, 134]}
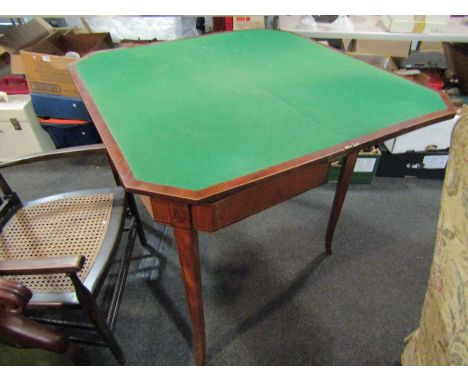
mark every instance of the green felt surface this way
{"type": "Point", "coordinates": [196, 112]}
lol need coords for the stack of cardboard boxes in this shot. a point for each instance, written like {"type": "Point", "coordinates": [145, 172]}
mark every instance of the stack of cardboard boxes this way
{"type": "Point", "coordinates": [415, 23]}
{"type": "Point", "coordinates": [20, 131]}
{"type": "Point", "coordinates": [43, 54]}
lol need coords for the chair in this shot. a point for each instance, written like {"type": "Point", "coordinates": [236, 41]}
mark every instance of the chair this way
{"type": "Point", "coordinates": [24, 342]}
{"type": "Point", "coordinates": [442, 336]}
{"type": "Point", "coordinates": [61, 247]}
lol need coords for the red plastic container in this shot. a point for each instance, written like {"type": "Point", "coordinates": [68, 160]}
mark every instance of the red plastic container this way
{"type": "Point", "coordinates": [14, 85]}
{"type": "Point", "coordinates": [59, 121]}
{"type": "Point", "coordinates": [435, 81]}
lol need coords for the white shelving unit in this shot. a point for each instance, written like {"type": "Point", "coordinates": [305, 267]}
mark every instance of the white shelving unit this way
{"type": "Point", "coordinates": [369, 28]}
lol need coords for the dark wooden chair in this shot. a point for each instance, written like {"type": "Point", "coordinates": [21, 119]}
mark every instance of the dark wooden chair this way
{"type": "Point", "coordinates": [25, 342]}
{"type": "Point", "coordinates": [62, 247]}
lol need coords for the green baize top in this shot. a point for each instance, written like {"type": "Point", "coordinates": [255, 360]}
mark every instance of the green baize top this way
{"type": "Point", "coordinates": [196, 112]}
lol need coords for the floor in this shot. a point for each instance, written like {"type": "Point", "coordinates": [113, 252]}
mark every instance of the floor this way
{"type": "Point", "coordinates": [271, 296]}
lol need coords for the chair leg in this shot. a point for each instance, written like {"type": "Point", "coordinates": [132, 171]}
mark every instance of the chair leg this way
{"type": "Point", "coordinates": [141, 234]}
{"type": "Point", "coordinates": [139, 226]}
{"type": "Point", "coordinates": [89, 305]}
{"type": "Point", "coordinates": [121, 277]}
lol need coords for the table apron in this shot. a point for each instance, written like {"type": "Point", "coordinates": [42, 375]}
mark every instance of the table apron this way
{"type": "Point", "coordinates": [217, 214]}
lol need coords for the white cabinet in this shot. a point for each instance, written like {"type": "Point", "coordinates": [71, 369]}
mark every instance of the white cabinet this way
{"type": "Point", "coordinates": [20, 131]}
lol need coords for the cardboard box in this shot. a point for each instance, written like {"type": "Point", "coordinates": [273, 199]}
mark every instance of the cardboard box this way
{"type": "Point", "coordinates": [415, 24]}
{"type": "Point", "coordinates": [241, 23]}
{"type": "Point", "coordinates": [46, 66]}
{"type": "Point", "coordinates": [378, 47]}
{"type": "Point", "coordinates": [22, 36]}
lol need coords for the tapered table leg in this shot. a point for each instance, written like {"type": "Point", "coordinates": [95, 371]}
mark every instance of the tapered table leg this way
{"type": "Point", "coordinates": [187, 246]}
{"type": "Point", "coordinates": [346, 173]}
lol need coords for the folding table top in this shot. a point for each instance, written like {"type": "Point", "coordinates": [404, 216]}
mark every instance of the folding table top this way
{"type": "Point", "coordinates": [199, 112]}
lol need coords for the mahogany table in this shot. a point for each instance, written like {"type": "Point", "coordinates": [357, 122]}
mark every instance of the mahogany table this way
{"type": "Point", "coordinates": [217, 128]}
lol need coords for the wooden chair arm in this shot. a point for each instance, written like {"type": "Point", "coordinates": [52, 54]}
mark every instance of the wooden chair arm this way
{"type": "Point", "coordinates": [14, 296]}
{"type": "Point", "coordinates": [64, 264]}
{"type": "Point", "coordinates": [54, 154]}
{"type": "Point", "coordinates": [20, 331]}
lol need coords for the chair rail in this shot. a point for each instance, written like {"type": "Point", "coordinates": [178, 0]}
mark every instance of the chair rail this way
{"type": "Point", "coordinates": [54, 154]}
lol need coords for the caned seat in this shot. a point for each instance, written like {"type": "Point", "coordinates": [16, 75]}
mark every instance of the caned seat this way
{"type": "Point", "coordinates": [79, 223]}
{"type": "Point", "coordinates": [62, 247]}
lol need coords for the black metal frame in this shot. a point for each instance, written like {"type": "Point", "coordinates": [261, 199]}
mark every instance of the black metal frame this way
{"type": "Point", "coordinates": [86, 291]}
{"type": "Point", "coordinates": [9, 202]}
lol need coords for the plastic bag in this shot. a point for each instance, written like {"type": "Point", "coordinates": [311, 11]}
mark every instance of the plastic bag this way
{"type": "Point", "coordinates": [140, 27]}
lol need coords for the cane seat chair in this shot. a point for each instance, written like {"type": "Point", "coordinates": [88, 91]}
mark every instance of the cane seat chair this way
{"type": "Point", "coordinates": [61, 247]}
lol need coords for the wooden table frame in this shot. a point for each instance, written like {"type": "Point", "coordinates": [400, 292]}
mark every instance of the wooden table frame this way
{"type": "Point", "coordinates": [218, 206]}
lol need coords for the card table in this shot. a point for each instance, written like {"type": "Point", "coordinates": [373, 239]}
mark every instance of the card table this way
{"type": "Point", "coordinates": [216, 128]}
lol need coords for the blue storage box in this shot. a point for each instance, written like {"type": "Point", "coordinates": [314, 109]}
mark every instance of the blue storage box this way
{"type": "Point", "coordinates": [53, 106]}
{"type": "Point", "coordinates": [69, 133]}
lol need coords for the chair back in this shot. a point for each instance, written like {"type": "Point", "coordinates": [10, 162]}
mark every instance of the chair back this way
{"type": "Point", "coordinates": [9, 202]}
